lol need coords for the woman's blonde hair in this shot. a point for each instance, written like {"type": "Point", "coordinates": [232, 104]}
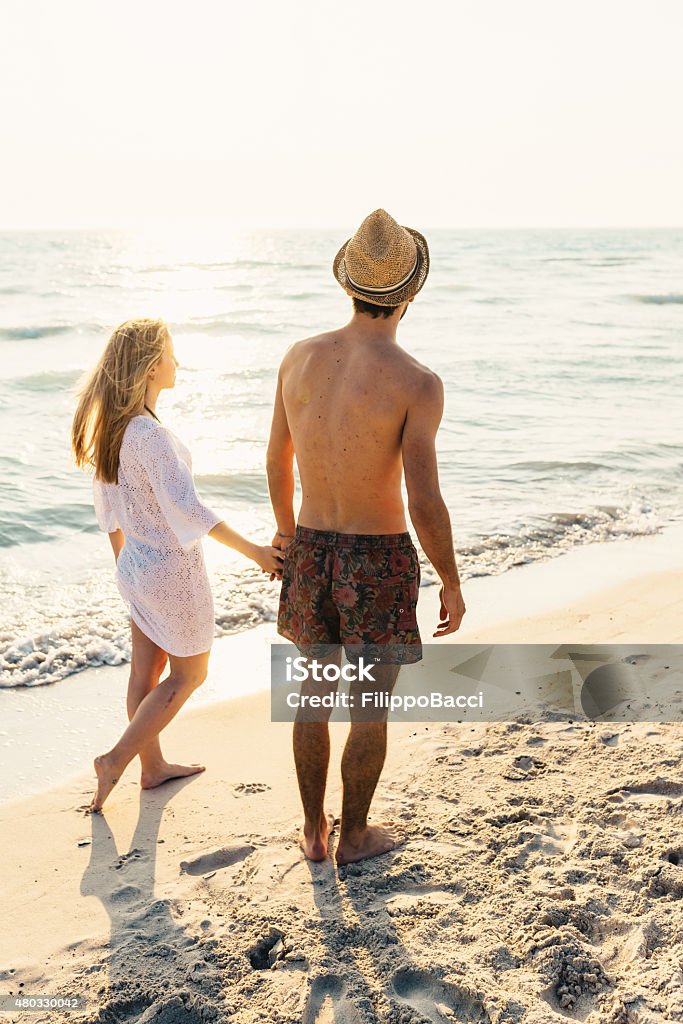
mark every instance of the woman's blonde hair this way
{"type": "Point", "coordinates": [114, 393]}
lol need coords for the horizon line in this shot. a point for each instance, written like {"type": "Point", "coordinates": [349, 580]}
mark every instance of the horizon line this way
{"type": "Point", "coordinates": [200, 222]}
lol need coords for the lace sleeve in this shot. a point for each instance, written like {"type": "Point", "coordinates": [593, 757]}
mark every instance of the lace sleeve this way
{"type": "Point", "coordinates": [173, 486]}
{"type": "Point", "coordinates": [106, 517]}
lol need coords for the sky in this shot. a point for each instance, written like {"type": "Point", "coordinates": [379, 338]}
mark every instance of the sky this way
{"type": "Point", "coordinates": [448, 113]}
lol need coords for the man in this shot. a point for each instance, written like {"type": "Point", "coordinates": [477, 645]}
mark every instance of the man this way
{"type": "Point", "coordinates": [358, 411]}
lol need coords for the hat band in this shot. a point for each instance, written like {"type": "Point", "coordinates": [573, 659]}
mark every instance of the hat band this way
{"type": "Point", "coordinates": [383, 291]}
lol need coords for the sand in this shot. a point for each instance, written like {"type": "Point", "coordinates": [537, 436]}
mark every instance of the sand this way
{"type": "Point", "coordinates": [541, 879]}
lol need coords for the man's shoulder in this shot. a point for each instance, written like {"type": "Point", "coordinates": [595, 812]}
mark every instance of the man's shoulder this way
{"type": "Point", "coordinates": [305, 345]}
{"type": "Point", "coordinates": [424, 381]}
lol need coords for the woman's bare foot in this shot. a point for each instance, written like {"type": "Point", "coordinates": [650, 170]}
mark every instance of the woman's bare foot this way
{"type": "Point", "coordinates": [370, 842]}
{"type": "Point", "coordinates": [164, 772]}
{"type": "Point", "coordinates": [107, 777]}
{"type": "Point", "coordinates": [314, 841]}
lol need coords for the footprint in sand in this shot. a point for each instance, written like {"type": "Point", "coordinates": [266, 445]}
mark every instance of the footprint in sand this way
{"type": "Point", "coordinates": [668, 880]}
{"type": "Point", "coordinates": [223, 858]}
{"type": "Point", "coordinates": [438, 1001]}
{"type": "Point", "coordinates": [173, 1010]}
{"type": "Point", "coordinates": [125, 894]}
{"type": "Point", "coordinates": [328, 1003]}
{"type": "Point", "coordinates": [134, 854]}
{"type": "Point", "coordinates": [524, 767]}
{"type": "Point", "coordinates": [510, 818]}
{"type": "Point", "coordinates": [249, 788]}
{"type": "Point", "coordinates": [269, 867]}
{"type": "Point", "coordinates": [413, 898]}
{"type": "Point", "coordinates": [654, 792]}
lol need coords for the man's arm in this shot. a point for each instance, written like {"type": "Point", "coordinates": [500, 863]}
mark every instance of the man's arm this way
{"type": "Point", "coordinates": [426, 506]}
{"type": "Point", "coordinates": [280, 469]}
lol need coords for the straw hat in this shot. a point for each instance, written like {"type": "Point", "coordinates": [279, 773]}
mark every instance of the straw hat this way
{"type": "Point", "coordinates": [383, 263]}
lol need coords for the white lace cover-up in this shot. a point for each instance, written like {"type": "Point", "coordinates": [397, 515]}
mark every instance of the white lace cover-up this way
{"type": "Point", "coordinates": [160, 570]}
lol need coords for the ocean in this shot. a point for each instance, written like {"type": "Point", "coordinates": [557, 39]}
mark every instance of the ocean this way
{"type": "Point", "coordinates": [559, 350]}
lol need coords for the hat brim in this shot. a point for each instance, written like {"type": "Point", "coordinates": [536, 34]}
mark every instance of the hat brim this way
{"type": "Point", "coordinates": [391, 298]}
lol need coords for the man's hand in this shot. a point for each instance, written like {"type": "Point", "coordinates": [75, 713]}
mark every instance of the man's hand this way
{"type": "Point", "coordinates": [281, 541]}
{"type": "Point", "coordinates": [452, 610]}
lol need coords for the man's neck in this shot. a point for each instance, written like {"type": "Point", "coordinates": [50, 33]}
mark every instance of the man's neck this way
{"type": "Point", "coordinates": [368, 328]}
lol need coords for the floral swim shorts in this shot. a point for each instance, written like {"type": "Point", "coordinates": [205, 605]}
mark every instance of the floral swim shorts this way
{"type": "Point", "coordinates": [352, 589]}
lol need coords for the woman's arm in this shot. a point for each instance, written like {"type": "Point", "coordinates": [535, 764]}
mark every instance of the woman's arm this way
{"type": "Point", "coordinates": [117, 540]}
{"type": "Point", "coordinates": [268, 558]}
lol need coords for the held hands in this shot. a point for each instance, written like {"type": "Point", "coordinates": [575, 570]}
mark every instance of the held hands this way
{"type": "Point", "coordinates": [281, 541]}
{"type": "Point", "coordinates": [452, 610]}
{"type": "Point", "coordinates": [270, 559]}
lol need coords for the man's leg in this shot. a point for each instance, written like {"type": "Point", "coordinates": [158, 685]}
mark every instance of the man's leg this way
{"type": "Point", "coordinates": [311, 741]}
{"type": "Point", "coordinates": [362, 763]}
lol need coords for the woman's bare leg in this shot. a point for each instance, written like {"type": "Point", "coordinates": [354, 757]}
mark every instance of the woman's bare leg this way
{"type": "Point", "coordinates": [153, 714]}
{"type": "Point", "coordinates": [147, 663]}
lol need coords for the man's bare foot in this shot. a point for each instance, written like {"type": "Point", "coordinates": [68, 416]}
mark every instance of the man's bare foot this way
{"type": "Point", "coordinates": [107, 777]}
{"type": "Point", "coordinates": [371, 842]}
{"type": "Point", "coordinates": [314, 841]}
{"type": "Point", "coordinates": [165, 771]}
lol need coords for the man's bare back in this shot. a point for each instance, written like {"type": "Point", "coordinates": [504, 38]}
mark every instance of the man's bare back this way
{"type": "Point", "coordinates": [346, 398]}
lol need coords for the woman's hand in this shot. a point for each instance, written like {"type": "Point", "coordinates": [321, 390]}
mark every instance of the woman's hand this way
{"type": "Point", "coordinates": [270, 559]}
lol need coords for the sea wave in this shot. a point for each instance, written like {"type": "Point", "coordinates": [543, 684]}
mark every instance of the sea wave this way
{"type": "Point", "coordinates": [668, 457]}
{"type": "Point", "coordinates": [19, 525]}
{"type": "Point", "coordinates": [645, 456]}
{"type": "Point", "coordinates": [555, 534]}
{"type": "Point", "coordinates": [31, 333]}
{"type": "Point", "coordinates": [248, 373]}
{"type": "Point", "coordinates": [592, 261]}
{"type": "Point", "coordinates": [221, 265]}
{"type": "Point", "coordinates": [551, 468]}
{"type": "Point", "coordinates": [47, 380]}
{"type": "Point", "coordinates": [86, 625]}
{"type": "Point", "coordinates": [223, 326]}
{"type": "Point", "coordinates": [244, 486]}
{"type": "Point", "coordinates": [551, 465]}
{"type": "Point", "coordinates": [673, 298]}
{"type": "Point", "coordinates": [194, 325]}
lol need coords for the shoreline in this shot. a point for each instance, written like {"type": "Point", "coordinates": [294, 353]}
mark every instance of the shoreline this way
{"type": "Point", "coordinates": [584, 596]}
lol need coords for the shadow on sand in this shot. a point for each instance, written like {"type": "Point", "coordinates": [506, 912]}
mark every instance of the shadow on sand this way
{"type": "Point", "coordinates": [150, 953]}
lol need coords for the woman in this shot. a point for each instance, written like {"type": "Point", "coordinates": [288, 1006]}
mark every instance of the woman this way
{"type": "Point", "coordinates": [145, 500]}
